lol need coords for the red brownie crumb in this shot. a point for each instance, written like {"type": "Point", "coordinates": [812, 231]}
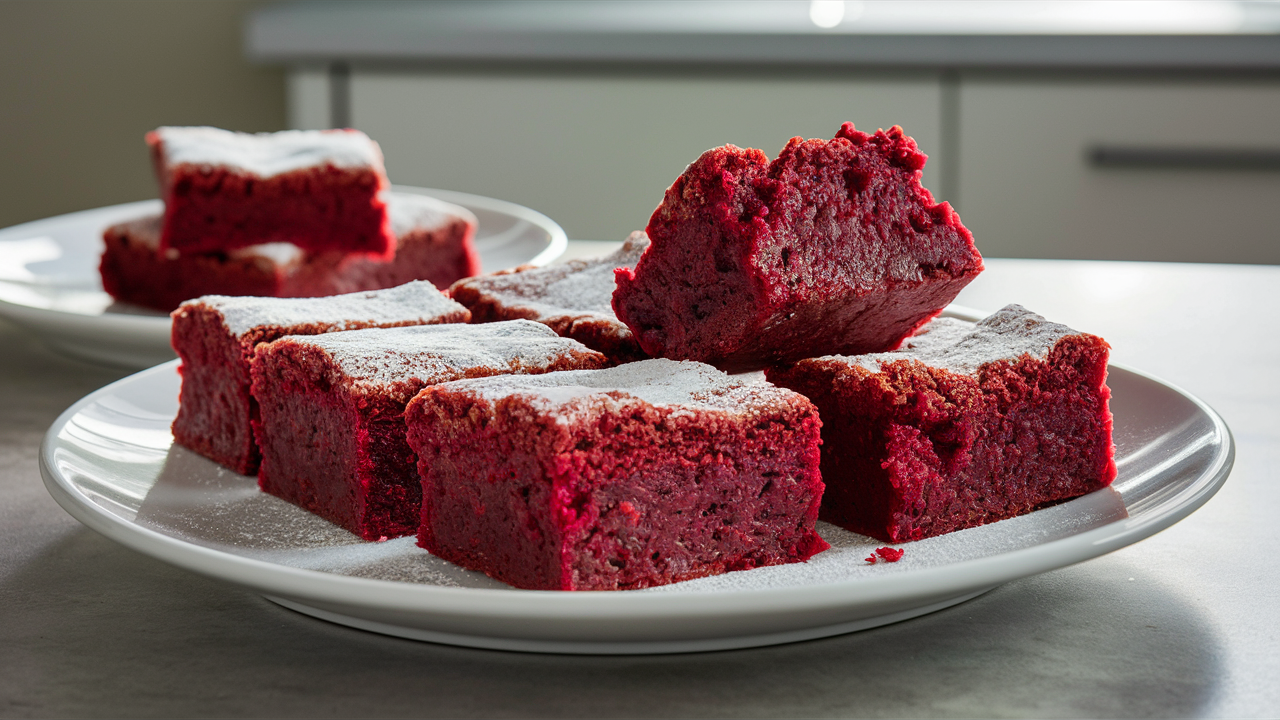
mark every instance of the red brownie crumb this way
{"type": "Point", "coordinates": [834, 247]}
{"type": "Point", "coordinates": [644, 474]}
{"type": "Point", "coordinates": [573, 299]}
{"type": "Point", "coordinates": [318, 189]}
{"type": "Point", "coordinates": [965, 425]}
{"type": "Point", "coordinates": [331, 410]}
{"type": "Point", "coordinates": [215, 337]}
{"type": "Point", "coordinates": [433, 242]}
{"type": "Point", "coordinates": [887, 554]}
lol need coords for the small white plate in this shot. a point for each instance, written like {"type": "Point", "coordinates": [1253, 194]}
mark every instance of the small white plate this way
{"type": "Point", "coordinates": [49, 280]}
{"type": "Point", "coordinates": [109, 460]}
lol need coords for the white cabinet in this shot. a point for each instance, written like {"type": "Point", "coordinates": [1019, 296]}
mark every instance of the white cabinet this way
{"type": "Point", "coordinates": [595, 151]}
{"type": "Point", "coordinates": [1028, 188]}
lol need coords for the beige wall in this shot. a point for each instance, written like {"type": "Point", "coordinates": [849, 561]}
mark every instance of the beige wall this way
{"type": "Point", "coordinates": [81, 81]}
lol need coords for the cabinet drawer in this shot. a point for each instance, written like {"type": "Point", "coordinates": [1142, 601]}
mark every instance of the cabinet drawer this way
{"type": "Point", "coordinates": [1141, 170]}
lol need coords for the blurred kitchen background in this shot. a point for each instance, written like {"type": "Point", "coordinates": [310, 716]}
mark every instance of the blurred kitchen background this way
{"type": "Point", "coordinates": [1145, 130]}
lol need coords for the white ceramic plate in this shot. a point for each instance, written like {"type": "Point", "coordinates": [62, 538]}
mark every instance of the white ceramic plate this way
{"type": "Point", "coordinates": [49, 279]}
{"type": "Point", "coordinates": [109, 460]}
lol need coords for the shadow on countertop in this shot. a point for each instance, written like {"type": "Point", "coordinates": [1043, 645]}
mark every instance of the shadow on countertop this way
{"type": "Point", "coordinates": [94, 629]}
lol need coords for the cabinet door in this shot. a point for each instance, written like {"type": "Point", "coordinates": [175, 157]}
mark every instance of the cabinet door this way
{"type": "Point", "coordinates": [596, 152]}
{"type": "Point", "coordinates": [1202, 188]}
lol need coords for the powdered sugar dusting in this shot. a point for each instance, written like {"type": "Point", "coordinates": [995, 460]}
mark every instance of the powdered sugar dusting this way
{"type": "Point", "coordinates": [279, 253]}
{"type": "Point", "coordinates": [438, 353]}
{"type": "Point", "coordinates": [846, 559]}
{"type": "Point", "coordinates": [576, 288]}
{"type": "Point", "coordinates": [410, 212]}
{"type": "Point", "coordinates": [963, 347]}
{"type": "Point", "coordinates": [680, 384]}
{"type": "Point", "coordinates": [417, 301]}
{"type": "Point", "coordinates": [144, 230]}
{"type": "Point", "coordinates": [268, 154]}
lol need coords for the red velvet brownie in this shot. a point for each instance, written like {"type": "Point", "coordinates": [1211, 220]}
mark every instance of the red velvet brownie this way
{"type": "Point", "coordinates": [331, 410]}
{"type": "Point", "coordinates": [215, 337]}
{"type": "Point", "coordinates": [833, 247]}
{"type": "Point", "coordinates": [644, 474]}
{"type": "Point", "coordinates": [573, 299]}
{"type": "Point", "coordinates": [318, 189]}
{"type": "Point", "coordinates": [433, 242]}
{"type": "Point", "coordinates": [965, 425]}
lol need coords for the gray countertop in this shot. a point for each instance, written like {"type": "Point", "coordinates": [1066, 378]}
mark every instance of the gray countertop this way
{"type": "Point", "coordinates": [1045, 34]}
{"type": "Point", "coordinates": [1183, 624]}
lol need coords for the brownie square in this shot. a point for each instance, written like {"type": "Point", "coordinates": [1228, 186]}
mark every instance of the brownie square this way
{"type": "Point", "coordinates": [644, 474]}
{"type": "Point", "coordinates": [215, 337]}
{"type": "Point", "coordinates": [331, 410]}
{"type": "Point", "coordinates": [318, 189]}
{"type": "Point", "coordinates": [833, 247]}
{"type": "Point", "coordinates": [433, 242]}
{"type": "Point", "coordinates": [573, 298]}
{"type": "Point", "coordinates": [965, 425]}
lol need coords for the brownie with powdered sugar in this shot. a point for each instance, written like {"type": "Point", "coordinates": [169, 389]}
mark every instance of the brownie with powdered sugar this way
{"type": "Point", "coordinates": [317, 189]}
{"type": "Point", "coordinates": [643, 474]}
{"type": "Point", "coordinates": [215, 337]}
{"type": "Point", "coordinates": [966, 424]}
{"type": "Point", "coordinates": [574, 299]}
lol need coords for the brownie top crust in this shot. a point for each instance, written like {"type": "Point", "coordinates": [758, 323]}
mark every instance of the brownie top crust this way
{"type": "Point", "coordinates": [683, 385]}
{"type": "Point", "coordinates": [382, 357]}
{"type": "Point", "coordinates": [416, 301]}
{"type": "Point", "coordinates": [267, 154]}
{"type": "Point", "coordinates": [582, 286]}
{"type": "Point", "coordinates": [964, 347]}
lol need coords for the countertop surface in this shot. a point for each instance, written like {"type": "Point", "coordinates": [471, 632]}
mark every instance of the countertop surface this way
{"type": "Point", "coordinates": [1183, 624]}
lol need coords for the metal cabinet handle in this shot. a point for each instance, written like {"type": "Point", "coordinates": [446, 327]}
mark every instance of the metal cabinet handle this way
{"type": "Point", "coordinates": [1155, 158]}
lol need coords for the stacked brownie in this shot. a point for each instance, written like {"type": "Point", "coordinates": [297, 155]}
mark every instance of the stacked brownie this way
{"type": "Point", "coordinates": [832, 247]}
{"type": "Point", "coordinates": [802, 264]}
{"type": "Point", "coordinates": [317, 189]}
{"type": "Point", "coordinates": [290, 214]}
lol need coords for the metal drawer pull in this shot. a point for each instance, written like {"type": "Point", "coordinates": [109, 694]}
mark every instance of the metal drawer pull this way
{"type": "Point", "coordinates": [1151, 158]}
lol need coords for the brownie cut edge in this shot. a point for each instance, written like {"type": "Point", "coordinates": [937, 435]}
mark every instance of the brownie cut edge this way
{"type": "Point", "coordinates": [833, 247]}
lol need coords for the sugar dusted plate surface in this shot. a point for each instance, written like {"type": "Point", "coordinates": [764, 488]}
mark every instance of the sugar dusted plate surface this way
{"type": "Point", "coordinates": [110, 461]}
{"type": "Point", "coordinates": [49, 275]}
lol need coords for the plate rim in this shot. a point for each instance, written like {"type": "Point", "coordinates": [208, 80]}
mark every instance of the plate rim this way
{"type": "Point", "coordinates": [397, 596]}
